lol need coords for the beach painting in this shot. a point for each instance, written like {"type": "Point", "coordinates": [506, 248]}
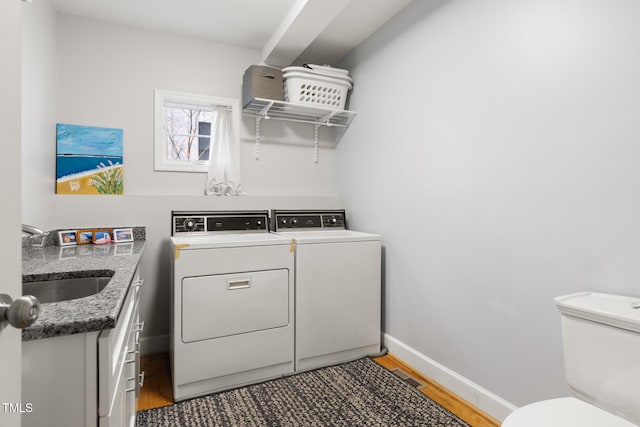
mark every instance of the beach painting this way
{"type": "Point", "coordinates": [89, 160]}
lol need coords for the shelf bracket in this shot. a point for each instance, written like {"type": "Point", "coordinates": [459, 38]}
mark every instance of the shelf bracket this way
{"type": "Point", "coordinates": [258, 119]}
{"type": "Point", "coordinates": [326, 119]}
{"type": "Point", "coordinates": [265, 109]}
{"type": "Point", "coordinates": [316, 142]}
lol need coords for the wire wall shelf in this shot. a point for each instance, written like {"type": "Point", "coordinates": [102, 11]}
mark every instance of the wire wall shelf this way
{"type": "Point", "coordinates": [268, 109]}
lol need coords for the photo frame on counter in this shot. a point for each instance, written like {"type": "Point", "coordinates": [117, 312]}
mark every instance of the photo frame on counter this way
{"type": "Point", "coordinates": [85, 237]}
{"type": "Point", "coordinates": [68, 237]}
{"type": "Point", "coordinates": [101, 236]}
{"type": "Point", "coordinates": [122, 235]}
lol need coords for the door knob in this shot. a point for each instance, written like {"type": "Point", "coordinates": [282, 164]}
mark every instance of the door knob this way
{"type": "Point", "coordinates": [19, 313]}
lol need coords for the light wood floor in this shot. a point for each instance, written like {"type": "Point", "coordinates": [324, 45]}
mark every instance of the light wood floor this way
{"type": "Point", "coordinates": [467, 412]}
{"type": "Point", "coordinates": [157, 390]}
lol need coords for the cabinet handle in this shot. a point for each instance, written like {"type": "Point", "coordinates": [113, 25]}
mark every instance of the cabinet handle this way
{"type": "Point", "coordinates": [137, 284]}
{"type": "Point", "coordinates": [129, 389]}
{"type": "Point", "coordinates": [140, 382]}
{"type": "Point", "coordinates": [135, 356]}
{"type": "Point", "coordinates": [139, 327]}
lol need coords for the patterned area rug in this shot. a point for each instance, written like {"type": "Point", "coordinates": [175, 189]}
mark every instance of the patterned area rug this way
{"type": "Point", "coordinates": [359, 393]}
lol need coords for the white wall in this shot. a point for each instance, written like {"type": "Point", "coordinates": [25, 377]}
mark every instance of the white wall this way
{"type": "Point", "coordinates": [106, 75]}
{"type": "Point", "coordinates": [39, 101]}
{"type": "Point", "coordinates": [496, 150]}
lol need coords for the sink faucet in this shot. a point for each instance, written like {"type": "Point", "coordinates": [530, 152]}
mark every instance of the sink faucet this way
{"type": "Point", "coordinates": [34, 232]}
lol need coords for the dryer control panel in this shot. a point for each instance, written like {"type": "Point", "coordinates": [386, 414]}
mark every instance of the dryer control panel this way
{"type": "Point", "coordinates": [308, 220]}
{"type": "Point", "coordinates": [210, 222]}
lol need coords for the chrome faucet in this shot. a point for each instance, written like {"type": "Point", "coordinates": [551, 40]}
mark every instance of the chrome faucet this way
{"type": "Point", "coordinates": [34, 232]}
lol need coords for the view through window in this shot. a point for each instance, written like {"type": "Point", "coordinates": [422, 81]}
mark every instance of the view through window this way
{"type": "Point", "coordinates": [184, 126]}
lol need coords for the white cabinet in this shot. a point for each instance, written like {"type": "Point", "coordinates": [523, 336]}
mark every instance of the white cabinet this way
{"type": "Point", "coordinates": [87, 379]}
{"type": "Point", "coordinates": [118, 365]}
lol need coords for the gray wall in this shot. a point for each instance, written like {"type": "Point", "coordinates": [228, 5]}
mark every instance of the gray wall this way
{"type": "Point", "coordinates": [496, 150]}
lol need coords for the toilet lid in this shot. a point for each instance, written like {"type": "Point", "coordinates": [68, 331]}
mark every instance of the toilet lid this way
{"type": "Point", "coordinates": [563, 412]}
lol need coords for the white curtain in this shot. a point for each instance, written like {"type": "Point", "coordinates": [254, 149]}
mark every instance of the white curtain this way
{"type": "Point", "coordinates": [223, 177]}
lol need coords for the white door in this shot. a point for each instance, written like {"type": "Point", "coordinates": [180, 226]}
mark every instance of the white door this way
{"type": "Point", "coordinates": [10, 212]}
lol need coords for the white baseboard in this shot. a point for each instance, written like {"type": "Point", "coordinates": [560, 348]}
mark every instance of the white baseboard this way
{"type": "Point", "coordinates": [154, 345]}
{"type": "Point", "coordinates": [476, 395]}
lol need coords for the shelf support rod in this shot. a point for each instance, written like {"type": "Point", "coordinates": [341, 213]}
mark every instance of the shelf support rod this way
{"type": "Point", "coordinates": [316, 142]}
{"type": "Point", "coordinates": [258, 137]}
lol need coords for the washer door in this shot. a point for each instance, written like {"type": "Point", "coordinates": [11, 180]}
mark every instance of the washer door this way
{"type": "Point", "coordinates": [230, 304]}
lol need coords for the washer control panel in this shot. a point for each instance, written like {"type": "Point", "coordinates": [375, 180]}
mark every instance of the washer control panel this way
{"type": "Point", "coordinates": [188, 224]}
{"type": "Point", "coordinates": [201, 223]}
{"type": "Point", "coordinates": [308, 220]}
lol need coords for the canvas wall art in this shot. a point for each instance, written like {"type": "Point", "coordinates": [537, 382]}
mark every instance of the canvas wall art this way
{"type": "Point", "coordinates": [89, 160]}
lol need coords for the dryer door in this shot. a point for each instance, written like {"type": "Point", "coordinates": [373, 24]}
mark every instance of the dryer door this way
{"type": "Point", "coordinates": [229, 304]}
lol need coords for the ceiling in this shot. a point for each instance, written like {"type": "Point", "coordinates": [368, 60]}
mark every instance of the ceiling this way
{"type": "Point", "coordinates": [285, 31]}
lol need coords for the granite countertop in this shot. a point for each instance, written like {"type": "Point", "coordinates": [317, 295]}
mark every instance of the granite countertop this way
{"type": "Point", "coordinates": [93, 313]}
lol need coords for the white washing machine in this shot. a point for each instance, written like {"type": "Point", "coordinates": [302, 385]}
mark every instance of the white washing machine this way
{"type": "Point", "coordinates": [338, 287]}
{"type": "Point", "coordinates": [233, 302]}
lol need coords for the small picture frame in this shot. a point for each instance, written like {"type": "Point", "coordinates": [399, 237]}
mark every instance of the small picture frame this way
{"type": "Point", "coordinates": [85, 237]}
{"type": "Point", "coordinates": [68, 237]}
{"type": "Point", "coordinates": [122, 235]}
{"type": "Point", "coordinates": [101, 237]}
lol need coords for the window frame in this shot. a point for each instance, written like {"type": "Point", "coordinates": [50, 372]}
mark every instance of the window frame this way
{"type": "Point", "coordinates": [161, 97]}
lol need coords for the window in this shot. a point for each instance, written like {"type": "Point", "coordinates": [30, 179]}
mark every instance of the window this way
{"type": "Point", "coordinates": [183, 129]}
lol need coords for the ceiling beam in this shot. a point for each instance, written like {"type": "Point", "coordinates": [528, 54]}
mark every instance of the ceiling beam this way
{"type": "Point", "coordinates": [302, 25]}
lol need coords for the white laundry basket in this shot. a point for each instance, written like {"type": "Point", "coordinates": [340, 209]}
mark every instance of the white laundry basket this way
{"type": "Point", "coordinates": [321, 70]}
{"type": "Point", "coordinates": [318, 91]}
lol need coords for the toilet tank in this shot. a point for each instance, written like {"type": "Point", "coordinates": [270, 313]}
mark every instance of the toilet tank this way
{"type": "Point", "coordinates": [601, 339]}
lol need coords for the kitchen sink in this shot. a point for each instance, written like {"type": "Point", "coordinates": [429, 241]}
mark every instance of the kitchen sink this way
{"type": "Point", "coordinates": [65, 289]}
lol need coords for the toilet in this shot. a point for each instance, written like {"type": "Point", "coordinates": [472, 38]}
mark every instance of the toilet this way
{"type": "Point", "coordinates": [601, 342]}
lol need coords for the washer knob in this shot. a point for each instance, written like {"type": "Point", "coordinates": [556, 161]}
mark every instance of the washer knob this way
{"type": "Point", "coordinates": [189, 224]}
{"type": "Point", "coordinates": [294, 221]}
{"type": "Point", "coordinates": [333, 220]}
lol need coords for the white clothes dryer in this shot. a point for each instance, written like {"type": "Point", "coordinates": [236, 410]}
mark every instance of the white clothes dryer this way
{"type": "Point", "coordinates": [338, 287]}
{"type": "Point", "coordinates": [232, 302]}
